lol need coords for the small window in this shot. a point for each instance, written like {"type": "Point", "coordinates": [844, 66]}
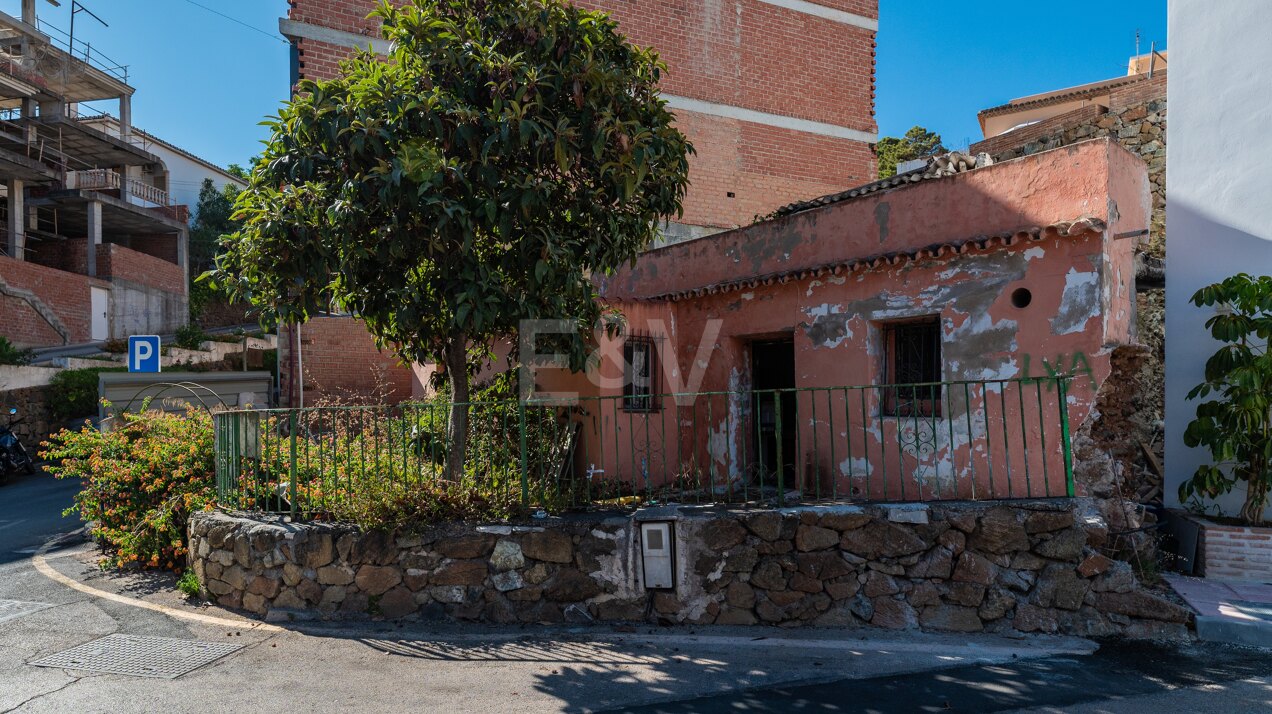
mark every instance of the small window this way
{"type": "Point", "coordinates": [638, 374]}
{"type": "Point", "coordinates": [912, 368]}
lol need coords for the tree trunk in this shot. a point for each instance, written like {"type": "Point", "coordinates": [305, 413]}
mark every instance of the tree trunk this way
{"type": "Point", "coordinates": [456, 359]}
{"type": "Point", "coordinates": [1256, 501]}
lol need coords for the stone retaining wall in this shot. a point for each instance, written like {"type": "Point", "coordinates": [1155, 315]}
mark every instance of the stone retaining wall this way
{"type": "Point", "coordinates": [1029, 567]}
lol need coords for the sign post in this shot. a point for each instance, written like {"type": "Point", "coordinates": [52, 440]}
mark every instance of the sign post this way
{"type": "Point", "coordinates": [143, 353]}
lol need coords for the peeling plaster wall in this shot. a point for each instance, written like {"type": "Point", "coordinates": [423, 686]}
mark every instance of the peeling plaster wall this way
{"type": "Point", "coordinates": [1037, 190]}
{"type": "Point", "coordinates": [1082, 306]}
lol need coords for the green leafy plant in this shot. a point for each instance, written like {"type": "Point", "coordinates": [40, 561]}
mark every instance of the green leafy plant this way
{"type": "Point", "coordinates": [190, 337]}
{"type": "Point", "coordinates": [141, 481]}
{"type": "Point", "coordinates": [9, 354]}
{"type": "Point", "coordinates": [1236, 425]}
{"type": "Point", "coordinates": [506, 153]}
{"type": "Point", "coordinates": [189, 584]}
{"type": "Point", "coordinates": [73, 392]}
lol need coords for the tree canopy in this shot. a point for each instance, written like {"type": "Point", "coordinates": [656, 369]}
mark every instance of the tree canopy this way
{"type": "Point", "coordinates": [213, 218]}
{"type": "Point", "coordinates": [505, 152]}
{"type": "Point", "coordinates": [918, 143]}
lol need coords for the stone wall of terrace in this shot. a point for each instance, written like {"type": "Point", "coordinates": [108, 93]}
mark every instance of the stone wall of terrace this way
{"type": "Point", "coordinates": [966, 567]}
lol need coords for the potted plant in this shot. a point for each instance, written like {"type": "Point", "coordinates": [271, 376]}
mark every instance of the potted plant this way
{"type": "Point", "coordinates": [1235, 422]}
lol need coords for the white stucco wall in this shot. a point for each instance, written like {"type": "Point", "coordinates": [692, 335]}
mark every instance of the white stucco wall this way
{"type": "Point", "coordinates": [185, 177]}
{"type": "Point", "coordinates": [1219, 198]}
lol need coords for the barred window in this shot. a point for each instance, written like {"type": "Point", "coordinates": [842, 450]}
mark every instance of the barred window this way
{"type": "Point", "coordinates": [639, 356]}
{"type": "Point", "coordinates": [912, 368]}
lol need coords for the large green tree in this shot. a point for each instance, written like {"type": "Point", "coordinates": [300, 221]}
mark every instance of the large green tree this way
{"type": "Point", "coordinates": [505, 153]}
{"type": "Point", "coordinates": [213, 218]}
{"type": "Point", "coordinates": [918, 143]}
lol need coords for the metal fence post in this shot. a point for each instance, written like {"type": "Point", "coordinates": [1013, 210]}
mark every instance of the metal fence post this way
{"type": "Point", "coordinates": [1066, 445]}
{"type": "Point", "coordinates": [781, 466]}
{"type": "Point", "coordinates": [525, 455]}
{"type": "Point", "coordinates": [291, 464]}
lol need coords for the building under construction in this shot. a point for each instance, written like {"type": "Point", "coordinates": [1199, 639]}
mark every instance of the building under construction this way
{"type": "Point", "coordinates": [93, 249]}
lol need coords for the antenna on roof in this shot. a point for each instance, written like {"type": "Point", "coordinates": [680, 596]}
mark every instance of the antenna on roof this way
{"type": "Point", "coordinates": [77, 8]}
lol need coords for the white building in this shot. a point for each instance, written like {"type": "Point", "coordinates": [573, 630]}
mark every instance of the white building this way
{"type": "Point", "coordinates": [186, 172]}
{"type": "Point", "coordinates": [1219, 208]}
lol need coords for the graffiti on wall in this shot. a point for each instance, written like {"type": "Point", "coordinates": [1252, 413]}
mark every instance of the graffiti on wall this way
{"type": "Point", "coordinates": [1073, 364]}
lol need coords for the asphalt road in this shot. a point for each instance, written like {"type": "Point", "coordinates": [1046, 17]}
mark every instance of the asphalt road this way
{"type": "Point", "coordinates": [1122, 677]}
{"type": "Point", "coordinates": [439, 667]}
{"type": "Point", "coordinates": [31, 513]}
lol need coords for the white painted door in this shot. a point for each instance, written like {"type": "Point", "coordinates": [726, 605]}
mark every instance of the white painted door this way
{"type": "Point", "coordinates": [100, 307]}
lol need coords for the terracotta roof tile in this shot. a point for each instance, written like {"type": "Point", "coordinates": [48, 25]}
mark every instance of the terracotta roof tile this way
{"type": "Point", "coordinates": [970, 246]}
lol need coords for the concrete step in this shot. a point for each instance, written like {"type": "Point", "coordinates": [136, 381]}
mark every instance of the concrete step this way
{"type": "Point", "coordinates": [1232, 612]}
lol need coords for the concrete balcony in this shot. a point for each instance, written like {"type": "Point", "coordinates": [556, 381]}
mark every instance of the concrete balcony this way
{"type": "Point", "coordinates": [131, 190]}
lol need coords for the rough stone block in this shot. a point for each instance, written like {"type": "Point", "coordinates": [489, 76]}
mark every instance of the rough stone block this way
{"type": "Point", "coordinates": [881, 540]}
{"type": "Point", "coordinates": [809, 538]}
{"type": "Point", "coordinates": [549, 546]}
{"type": "Point", "coordinates": [475, 545]}
{"type": "Point", "coordinates": [458, 572]}
{"type": "Point", "coordinates": [507, 556]}
{"type": "Point", "coordinates": [950, 618]}
{"type": "Point", "coordinates": [377, 579]}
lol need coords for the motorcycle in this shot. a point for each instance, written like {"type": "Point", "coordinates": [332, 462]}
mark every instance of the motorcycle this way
{"type": "Point", "coordinates": [13, 455]}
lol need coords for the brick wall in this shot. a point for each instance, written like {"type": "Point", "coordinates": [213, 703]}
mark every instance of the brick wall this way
{"type": "Point", "coordinates": [340, 361]}
{"type": "Point", "coordinates": [749, 54]}
{"type": "Point", "coordinates": [64, 295]}
{"type": "Point", "coordinates": [163, 247]}
{"type": "Point", "coordinates": [116, 261]}
{"type": "Point", "coordinates": [1235, 552]}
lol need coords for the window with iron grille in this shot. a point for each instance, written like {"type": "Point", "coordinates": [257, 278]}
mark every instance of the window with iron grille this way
{"type": "Point", "coordinates": [912, 367]}
{"type": "Point", "coordinates": [639, 356]}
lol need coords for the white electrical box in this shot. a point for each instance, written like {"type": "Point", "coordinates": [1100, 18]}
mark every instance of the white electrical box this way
{"type": "Point", "coordinates": [656, 549]}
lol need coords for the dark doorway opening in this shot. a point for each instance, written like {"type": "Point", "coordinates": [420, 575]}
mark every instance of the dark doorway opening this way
{"type": "Point", "coordinates": [775, 423]}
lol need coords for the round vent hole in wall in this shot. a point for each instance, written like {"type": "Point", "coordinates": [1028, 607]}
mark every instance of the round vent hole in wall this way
{"type": "Point", "coordinates": [1021, 297]}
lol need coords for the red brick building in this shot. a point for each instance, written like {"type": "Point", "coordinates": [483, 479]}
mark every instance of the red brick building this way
{"type": "Point", "coordinates": [777, 97]}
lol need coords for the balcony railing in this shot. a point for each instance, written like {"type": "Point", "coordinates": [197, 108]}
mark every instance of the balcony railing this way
{"type": "Point", "coordinates": [108, 180]}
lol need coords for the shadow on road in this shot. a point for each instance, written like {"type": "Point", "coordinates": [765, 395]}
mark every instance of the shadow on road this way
{"type": "Point", "coordinates": [31, 512]}
{"type": "Point", "coordinates": [1120, 670]}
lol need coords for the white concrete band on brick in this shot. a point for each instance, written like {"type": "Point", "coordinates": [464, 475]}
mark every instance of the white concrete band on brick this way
{"type": "Point", "coordinates": [775, 120]}
{"type": "Point", "coordinates": [828, 13]}
{"type": "Point", "coordinates": [341, 38]}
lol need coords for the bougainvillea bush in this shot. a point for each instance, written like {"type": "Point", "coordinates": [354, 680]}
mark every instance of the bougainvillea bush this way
{"type": "Point", "coordinates": [141, 481]}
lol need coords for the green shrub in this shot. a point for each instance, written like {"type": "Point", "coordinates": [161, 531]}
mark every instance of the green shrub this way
{"type": "Point", "coordinates": [141, 481]}
{"type": "Point", "coordinates": [12, 355]}
{"type": "Point", "coordinates": [1235, 420]}
{"type": "Point", "coordinates": [117, 346]}
{"type": "Point", "coordinates": [190, 336]}
{"type": "Point", "coordinates": [189, 584]}
{"type": "Point", "coordinates": [74, 392]}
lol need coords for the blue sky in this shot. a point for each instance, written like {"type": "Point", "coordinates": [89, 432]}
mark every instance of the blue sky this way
{"type": "Point", "coordinates": [204, 82]}
{"type": "Point", "coordinates": [941, 61]}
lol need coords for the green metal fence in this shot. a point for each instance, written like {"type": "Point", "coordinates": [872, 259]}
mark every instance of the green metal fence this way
{"type": "Point", "coordinates": [962, 440]}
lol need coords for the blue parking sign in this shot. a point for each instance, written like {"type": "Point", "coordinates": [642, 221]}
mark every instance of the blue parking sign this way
{"type": "Point", "coordinates": [143, 353]}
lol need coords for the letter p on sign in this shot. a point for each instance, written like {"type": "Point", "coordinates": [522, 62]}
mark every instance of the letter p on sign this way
{"type": "Point", "coordinates": [143, 353]}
